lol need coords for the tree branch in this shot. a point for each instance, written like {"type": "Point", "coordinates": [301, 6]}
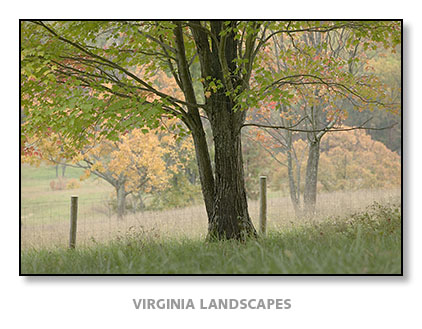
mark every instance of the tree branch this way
{"type": "Point", "coordinates": [297, 79]}
{"type": "Point", "coordinates": [326, 129]}
{"type": "Point", "coordinates": [105, 61]}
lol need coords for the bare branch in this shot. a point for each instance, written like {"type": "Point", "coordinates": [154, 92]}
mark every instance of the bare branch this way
{"type": "Point", "coordinates": [298, 79]}
{"type": "Point", "coordinates": [326, 129]}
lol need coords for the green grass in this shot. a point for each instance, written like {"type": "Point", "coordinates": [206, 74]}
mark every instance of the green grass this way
{"type": "Point", "coordinates": [35, 188]}
{"type": "Point", "coordinates": [365, 243]}
{"type": "Point", "coordinates": [29, 174]}
{"type": "Point", "coordinates": [39, 201]}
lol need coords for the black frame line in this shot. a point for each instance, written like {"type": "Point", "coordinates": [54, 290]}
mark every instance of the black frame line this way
{"type": "Point", "coordinates": [401, 274]}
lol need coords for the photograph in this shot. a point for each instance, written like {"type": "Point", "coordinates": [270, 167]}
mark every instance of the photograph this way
{"type": "Point", "coordinates": [210, 148]}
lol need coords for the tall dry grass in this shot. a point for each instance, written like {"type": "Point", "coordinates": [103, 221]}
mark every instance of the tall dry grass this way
{"type": "Point", "coordinates": [96, 223]}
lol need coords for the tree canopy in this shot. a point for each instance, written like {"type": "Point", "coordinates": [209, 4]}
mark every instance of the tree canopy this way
{"type": "Point", "coordinates": [71, 69]}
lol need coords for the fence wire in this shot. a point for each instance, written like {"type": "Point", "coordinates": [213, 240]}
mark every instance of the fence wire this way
{"type": "Point", "coordinates": [47, 224]}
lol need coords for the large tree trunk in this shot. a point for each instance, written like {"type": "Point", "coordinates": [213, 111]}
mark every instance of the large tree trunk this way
{"type": "Point", "coordinates": [230, 218]}
{"type": "Point", "coordinates": [310, 193]}
{"type": "Point", "coordinates": [224, 191]}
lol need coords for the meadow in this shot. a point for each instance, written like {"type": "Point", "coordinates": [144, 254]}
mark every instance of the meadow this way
{"type": "Point", "coordinates": [365, 243]}
{"type": "Point", "coordinates": [353, 232]}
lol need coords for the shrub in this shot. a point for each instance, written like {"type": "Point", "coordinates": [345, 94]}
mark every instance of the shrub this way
{"type": "Point", "coordinates": [72, 184]}
{"type": "Point", "coordinates": [58, 184]}
{"type": "Point", "coordinates": [180, 195]}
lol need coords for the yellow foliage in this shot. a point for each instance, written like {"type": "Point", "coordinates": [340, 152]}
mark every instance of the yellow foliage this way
{"type": "Point", "coordinates": [72, 184]}
{"type": "Point", "coordinates": [349, 160]}
{"type": "Point", "coordinates": [86, 175]}
{"type": "Point", "coordinates": [352, 160]}
{"type": "Point", "coordinates": [48, 148]}
{"type": "Point", "coordinates": [144, 161]}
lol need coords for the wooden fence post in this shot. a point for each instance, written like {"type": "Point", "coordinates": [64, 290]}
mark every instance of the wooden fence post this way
{"type": "Point", "coordinates": [262, 204]}
{"type": "Point", "coordinates": [73, 220]}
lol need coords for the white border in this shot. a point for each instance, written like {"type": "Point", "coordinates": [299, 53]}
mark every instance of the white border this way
{"type": "Point", "coordinates": [322, 302]}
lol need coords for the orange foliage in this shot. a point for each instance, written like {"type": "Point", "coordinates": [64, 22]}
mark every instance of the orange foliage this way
{"type": "Point", "coordinates": [352, 160]}
{"type": "Point", "coordinates": [144, 161]}
{"type": "Point", "coordinates": [349, 160]}
{"type": "Point", "coordinates": [49, 149]}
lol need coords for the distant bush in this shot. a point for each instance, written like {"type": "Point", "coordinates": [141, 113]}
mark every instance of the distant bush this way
{"type": "Point", "coordinates": [58, 184]}
{"type": "Point", "coordinates": [64, 184]}
{"type": "Point", "coordinates": [181, 195]}
{"type": "Point", "coordinates": [72, 184]}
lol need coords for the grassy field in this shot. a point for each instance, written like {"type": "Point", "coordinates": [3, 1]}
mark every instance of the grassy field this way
{"type": "Point", "coordinates": [47, 225]}
{"type": "Point", "coordinates": [45, 213]}
{"type": "Point", "coordinates": [35, 186]}
{"type": "Point", "coordinates": [347, 235]}
{"type": "Point", "coordinates": [364, 243]}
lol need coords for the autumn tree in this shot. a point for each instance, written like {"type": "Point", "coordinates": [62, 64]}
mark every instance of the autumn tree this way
{"type": "Point", "coordinates": [352, 160]}
{"type": "Point", "coordinates": [386, 65]}
{"type": "Point", "coordinates": [66, 65]}
{"type": "Point", "coordinates": [132, 165]}
{"type": "Point", "coordinates": [329, 76]}
{"type": "Point", "coordinates": [46, 149]}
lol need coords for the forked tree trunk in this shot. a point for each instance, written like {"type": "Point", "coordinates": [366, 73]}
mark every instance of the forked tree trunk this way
{"type": "Point", "coordinates": [224, 190]}
{"type": "Point", "coordinates": [310, 193]}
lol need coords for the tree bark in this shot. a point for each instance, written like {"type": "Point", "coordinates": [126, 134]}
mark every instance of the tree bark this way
{"type": "Point", "coordinates": [141, 202]}
{"type": "Point", "coordinates": [193, 120]}
{"type": "Point", "coordinates": [224, 191]}
{"type": "Point", "coordinates": [310, 193]}
{"type": "Point", "coordinates": [230, 218]}
{"type": "Point", "coordinates": [204, 168]}
{"type": "Point", "coordinates": [294, 188]}
{"type": "Point", "coordinates": [121, 200]}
